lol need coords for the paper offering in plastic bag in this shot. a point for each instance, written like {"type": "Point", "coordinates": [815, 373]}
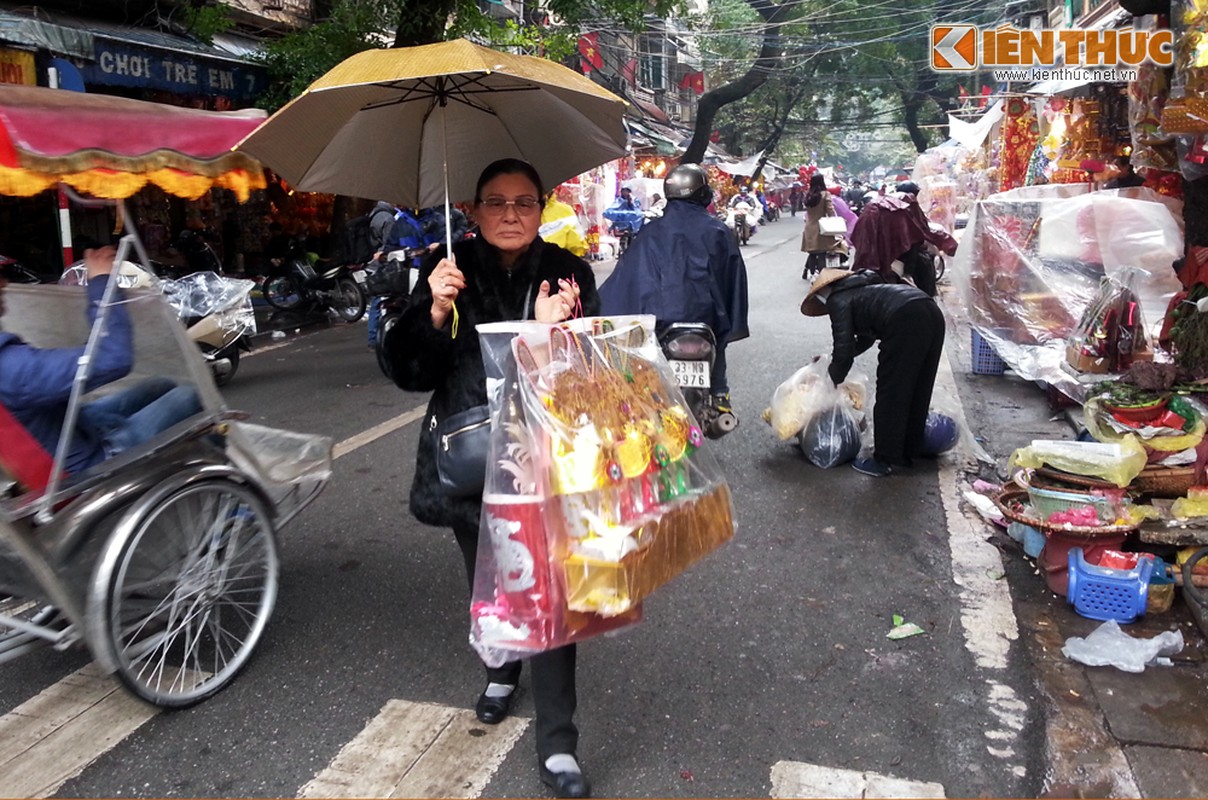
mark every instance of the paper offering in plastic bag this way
{"type": "Point", "coordinates": [598, 486]}
{"type": "Point", "coordinates": [807, 392]}
{"type": "Point", "coordinates": [1118, 462]}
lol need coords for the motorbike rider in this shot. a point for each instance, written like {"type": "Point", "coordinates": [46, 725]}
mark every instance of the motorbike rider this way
{"type": "Point", "coordinates": [381, 221]}
{"type": "Point", "coordinates": [685, 267]}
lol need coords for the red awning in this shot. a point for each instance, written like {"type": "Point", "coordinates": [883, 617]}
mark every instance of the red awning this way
{"type": "Point", "coordinates": [650, 109]}
{"type": "Point", "coordinates": [50, 134]}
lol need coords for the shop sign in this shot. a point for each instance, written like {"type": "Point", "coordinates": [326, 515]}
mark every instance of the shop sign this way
{"type": "Point", "coordinates": [121, 65]}
{"type": "Point", "coordinates": [964, 48]}
{"type": "Point", "coordinates": [17, 66]}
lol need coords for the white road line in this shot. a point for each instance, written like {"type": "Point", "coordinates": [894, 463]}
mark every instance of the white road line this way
{"type": "Point", "coordinates": [987, 614]}
{"type": "Point", "coordinates": [795, 779]}
{"type": "Point", "coordinates": [418, 750]}
{"type": "Point", "coordinates": [55, 735]}
{"type": "Point", "coordinates": [377, 432]}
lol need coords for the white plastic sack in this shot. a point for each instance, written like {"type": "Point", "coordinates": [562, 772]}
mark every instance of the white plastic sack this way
{"type": "Point", "coordinates": [807, 392]}
{"type": "Point", "coordinates": [1108, 646]}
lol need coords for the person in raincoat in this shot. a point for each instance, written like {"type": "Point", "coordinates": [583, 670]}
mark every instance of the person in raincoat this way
{"type": "Point", "coordinates": [685, 267]}
{"type": "Point", "coordinates": [560, 225]}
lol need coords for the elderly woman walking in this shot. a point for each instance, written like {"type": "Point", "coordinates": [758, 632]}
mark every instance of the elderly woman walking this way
{"type": "Point", "coordinates": [507, 273]}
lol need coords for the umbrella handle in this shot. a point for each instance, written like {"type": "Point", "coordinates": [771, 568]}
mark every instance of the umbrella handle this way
{"type": "Point", "coordinates": [444, 159]}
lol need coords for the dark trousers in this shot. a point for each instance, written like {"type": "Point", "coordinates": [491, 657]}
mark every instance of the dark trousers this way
{"type": "Point", "coordinates": [553, 675]}
{"type": "Point", "coordinates": [906, 367]}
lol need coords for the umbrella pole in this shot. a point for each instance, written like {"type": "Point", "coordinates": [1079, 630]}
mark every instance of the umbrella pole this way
{"type": "Point", "coordinates": [444, 159]}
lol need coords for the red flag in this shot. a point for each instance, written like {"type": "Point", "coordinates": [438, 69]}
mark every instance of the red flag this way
{"type": "Point", "coordinates": [964, 93]}
{"type": "Point", "coordinates": [629, 71]}
{"type": "Point", "coordinates": [985, 96]}
{"type": "Point", "coordinates": [694, 81]}
{"type": "Point", "coordinates": [590, 52]}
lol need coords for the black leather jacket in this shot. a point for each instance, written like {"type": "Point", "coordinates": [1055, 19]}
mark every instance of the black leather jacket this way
{"type": "Point", "coordinates": [860, 307]}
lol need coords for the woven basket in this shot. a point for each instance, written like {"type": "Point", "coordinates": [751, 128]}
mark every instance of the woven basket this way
{"type": "Point", "coordinates": [1013, 503]}
{"type": "Point", "coordinates": [1164, 481]}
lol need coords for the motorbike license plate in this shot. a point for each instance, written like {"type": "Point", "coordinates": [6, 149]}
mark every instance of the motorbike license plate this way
{"type": "Point", "coordinates": [691, 374]}
{"type": "Point", "coordinates": [359, 275]}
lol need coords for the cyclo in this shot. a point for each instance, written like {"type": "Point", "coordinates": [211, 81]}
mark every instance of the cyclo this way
{"type": "Point", "coordinates": [161, 560]}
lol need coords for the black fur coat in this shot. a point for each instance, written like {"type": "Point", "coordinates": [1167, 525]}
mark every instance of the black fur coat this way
{"type": "Point", "coordinates": [426, 359]}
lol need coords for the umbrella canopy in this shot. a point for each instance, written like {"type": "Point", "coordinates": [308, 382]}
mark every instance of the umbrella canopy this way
{"type": "Point", "coordinates": [111, 147]}
{"type": "Point", "coordinates": [387, 124]}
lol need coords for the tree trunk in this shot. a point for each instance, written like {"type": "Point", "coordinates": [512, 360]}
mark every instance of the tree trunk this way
{"type": "Point", "coordinates": [712, 101]}
{"type": "Point", "coordinates": [910, 116]}
{"type": "Point", "coordinates": [422, 22]}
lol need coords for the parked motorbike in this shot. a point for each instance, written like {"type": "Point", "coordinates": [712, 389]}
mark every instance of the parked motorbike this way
{"type": "Point", "coordinates": [18, 272]}
{"type": "Point", "coordinates": [294, 284]}
{"type": "Point", "coordinates": [392, 279]}
{"type": "Point", "coordinates": [216, 311]}
{"type": "Point", "coordinates": [691, 349]}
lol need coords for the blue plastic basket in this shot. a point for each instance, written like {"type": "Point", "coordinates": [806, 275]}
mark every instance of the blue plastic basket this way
{"type": "Point", "coordinates": [985, 360]}
{"type": "Point", "coordinates": [1103, 593]}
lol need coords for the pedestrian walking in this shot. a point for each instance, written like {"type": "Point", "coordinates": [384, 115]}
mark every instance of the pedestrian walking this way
{"type": "Point", "coordinates": [863, 309]}
{"type": "Point", "coordinates": [507, 273]}
{"type": "Point", "coordinates": [819, 204]}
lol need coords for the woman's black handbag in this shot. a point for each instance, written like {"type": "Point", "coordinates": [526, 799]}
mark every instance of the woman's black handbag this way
{"type": "Point", "coordinates": [461, 451]}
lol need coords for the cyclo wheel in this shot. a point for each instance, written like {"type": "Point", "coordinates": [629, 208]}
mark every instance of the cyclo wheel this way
{"type": "Point", "coordinates": [352, 300]}
{"type": "Point", "coordinates": [189, 591]}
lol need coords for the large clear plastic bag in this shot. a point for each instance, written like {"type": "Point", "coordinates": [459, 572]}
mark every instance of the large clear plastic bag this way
{"type": "Point", "coordinates": [809, 391]}
{"type": "Point", "coordinates": [599, 484]}
{"type": "Point", "coordinates": [1118, 462]}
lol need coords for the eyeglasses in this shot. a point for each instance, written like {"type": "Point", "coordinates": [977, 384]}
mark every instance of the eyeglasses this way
{"type": "Point", "coordinates": [525, 206]}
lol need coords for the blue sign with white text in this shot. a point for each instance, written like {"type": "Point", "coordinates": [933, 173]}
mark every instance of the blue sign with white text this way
{"type": "Point", "coordinates": [117, 64]}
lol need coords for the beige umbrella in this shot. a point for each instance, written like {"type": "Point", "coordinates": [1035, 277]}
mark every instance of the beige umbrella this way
{"type": "Point", "coordinates": [416, 125]}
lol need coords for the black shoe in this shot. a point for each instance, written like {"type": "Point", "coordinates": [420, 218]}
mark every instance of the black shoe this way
{"type": "Point", "coordinates": [565, 784]}
{"type": "Point", "coordinates": [494, 710]}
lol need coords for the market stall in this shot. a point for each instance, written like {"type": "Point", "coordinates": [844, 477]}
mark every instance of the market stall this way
{"type": "Point", "coordinates": [1033, 260]}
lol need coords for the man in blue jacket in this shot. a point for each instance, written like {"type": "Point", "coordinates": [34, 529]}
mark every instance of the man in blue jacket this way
{"type": "Point", "coordinates": [685, 267]}
{"type": "Point", "coordinates": [35, 383]}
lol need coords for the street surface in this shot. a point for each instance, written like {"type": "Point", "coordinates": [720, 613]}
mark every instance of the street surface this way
{"type": "Point", "coordinates": [764, 671]}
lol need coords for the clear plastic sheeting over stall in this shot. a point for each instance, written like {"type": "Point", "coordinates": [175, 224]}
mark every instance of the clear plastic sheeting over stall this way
{"type": "Point", "coordinates": [599, 486]}
{"type": "Point", "coordinates": [1032, 261]}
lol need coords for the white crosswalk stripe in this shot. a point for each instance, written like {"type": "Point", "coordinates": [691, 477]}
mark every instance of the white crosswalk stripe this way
{"type": "Point", "coordinates": [418, 750]}
{"type": "Point", "coordinates": [795, 779]}
{"type": "Point", "coordinates": [55, 735]}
